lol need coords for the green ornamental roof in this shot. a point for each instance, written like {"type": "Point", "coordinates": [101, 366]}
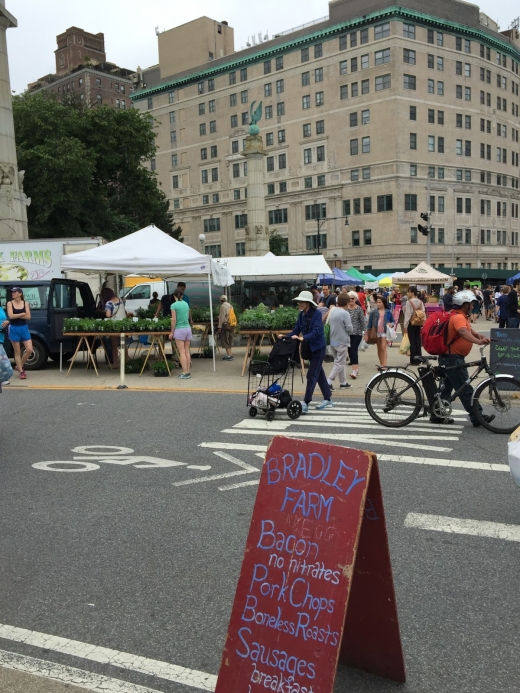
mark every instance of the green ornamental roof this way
{"type": "Point", "coordinates": [393, 12]}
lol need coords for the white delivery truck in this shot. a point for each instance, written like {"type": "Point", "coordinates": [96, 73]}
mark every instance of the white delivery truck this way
{"type": "Point", "coordinates": [35, 260]}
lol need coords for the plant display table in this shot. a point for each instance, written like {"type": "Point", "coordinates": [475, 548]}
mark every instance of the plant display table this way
{"type": "Point", "coordinates": [252, 342]}
{"type": "Point", "coordinates": [158, 339]}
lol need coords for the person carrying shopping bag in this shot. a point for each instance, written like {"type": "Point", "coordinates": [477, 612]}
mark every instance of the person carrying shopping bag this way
{"type": "Point", "coordinates": [414, 318]}
{"type": "Point", "coordinates": [340, 325]}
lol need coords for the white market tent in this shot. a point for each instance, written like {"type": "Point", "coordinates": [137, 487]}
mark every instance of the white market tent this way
{"type": "Point", "coordinates": [422, 274]}
{"type": "Point", "coordinates": [149, 252]}
{"type": "Point", "coordinates": [272, 267]}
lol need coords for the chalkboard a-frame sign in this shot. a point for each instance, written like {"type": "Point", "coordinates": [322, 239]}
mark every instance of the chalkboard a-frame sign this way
{"type": "Point", "coordinates": [316, 582]}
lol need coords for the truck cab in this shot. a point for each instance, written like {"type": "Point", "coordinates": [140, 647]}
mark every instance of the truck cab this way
{"type": "Point", "coordinates": [50, 302]}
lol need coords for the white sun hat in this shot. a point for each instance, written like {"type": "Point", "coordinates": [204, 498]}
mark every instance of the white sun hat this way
{"type": "Point", "coordinates": [306, 296]}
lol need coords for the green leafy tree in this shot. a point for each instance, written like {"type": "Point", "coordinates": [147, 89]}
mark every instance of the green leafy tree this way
{"type": "Point", "coordinates": [84, 169]}
{"type": "Point", "coordinates": [278, 245]}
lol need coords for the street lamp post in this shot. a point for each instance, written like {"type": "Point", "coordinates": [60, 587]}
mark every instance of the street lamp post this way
{"type": "Point", "coordinates": [202, 238]}
{"type": "Point", "coordinates": [320, 221]}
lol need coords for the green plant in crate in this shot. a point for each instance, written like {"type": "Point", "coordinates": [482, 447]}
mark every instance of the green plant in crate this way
{"type": "Point", "coordinates": [160, 367]}
{"type": "Point", "coordinates": [285, 318]}
{"type": "Point", "coordinates": [136, 366]}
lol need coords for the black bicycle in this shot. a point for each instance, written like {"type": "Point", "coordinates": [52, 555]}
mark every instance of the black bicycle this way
{"type": "Point", "coordinates": [396, 396]}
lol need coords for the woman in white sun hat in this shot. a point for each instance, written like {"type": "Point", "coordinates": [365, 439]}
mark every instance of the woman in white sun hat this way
{"type": "Point", "coordinates": [309, 330]}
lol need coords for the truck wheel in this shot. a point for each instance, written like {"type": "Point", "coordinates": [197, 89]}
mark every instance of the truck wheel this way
{"type": "Point", "coordinates": [38, 358]}
{"type": "Point", "coordinates": [67, 355]}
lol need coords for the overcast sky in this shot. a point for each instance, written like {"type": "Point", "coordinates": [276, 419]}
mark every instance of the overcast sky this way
{"type": "Point", "coordinates": [129, 26]}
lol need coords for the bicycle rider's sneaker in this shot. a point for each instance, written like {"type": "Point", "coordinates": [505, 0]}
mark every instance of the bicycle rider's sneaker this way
{"type": "Point", "coordinates": [487, 417]}
{"type": "Point", "coordinates": [326, 404]}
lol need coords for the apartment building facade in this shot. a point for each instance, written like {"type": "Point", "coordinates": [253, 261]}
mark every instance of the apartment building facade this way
{"type": "Point", "coordinates": [377, 114]}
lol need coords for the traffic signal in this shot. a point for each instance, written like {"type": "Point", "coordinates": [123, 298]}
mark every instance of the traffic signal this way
{"type": "Point", "coordinates": [424, 229]}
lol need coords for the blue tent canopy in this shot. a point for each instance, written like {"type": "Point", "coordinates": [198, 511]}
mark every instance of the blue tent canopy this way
{"type": "Point", "coordinates": [512, 279]}
{"type": "Point", "coordinates": [338, 278]}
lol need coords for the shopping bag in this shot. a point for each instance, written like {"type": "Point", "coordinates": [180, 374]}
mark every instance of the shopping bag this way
{"type": "Point", "coordinates": [326, 330]}
{"type": "Point", "coordinates": [371, 335]}
{"type": "Point", "coordinates": [391, 334]}
{"type": "Point", "coordinates": [513, 448]}
{"type": "Point", "coordinates": [363, 346]}
{"type": "Point", "coordinates": [6, 370]}
{"type": "Point", "coordinates": [405, 345]}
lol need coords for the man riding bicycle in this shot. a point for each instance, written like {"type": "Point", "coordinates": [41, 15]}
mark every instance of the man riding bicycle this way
{"type": "Point", "coordinates": [460, 341]}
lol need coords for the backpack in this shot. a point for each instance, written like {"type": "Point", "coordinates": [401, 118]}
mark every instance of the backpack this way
{"type": "Point", "coordinates": [434, 335]}
{"type": "Point", "coordinates": [232, 318]}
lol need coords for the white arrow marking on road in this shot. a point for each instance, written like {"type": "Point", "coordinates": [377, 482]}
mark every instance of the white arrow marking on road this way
{"type": "Point", "coordinates": [246, 469]}
{"type": "Point", "coordinates": [454, 525]}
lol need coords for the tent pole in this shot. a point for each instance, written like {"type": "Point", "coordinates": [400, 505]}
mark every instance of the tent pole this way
{"type": "Point", "coordinates": [212, 325]}
{"type": "Point", "coordinates": [122, 359]}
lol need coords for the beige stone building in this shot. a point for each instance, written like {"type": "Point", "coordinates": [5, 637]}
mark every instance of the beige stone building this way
{"type": "Point", "coordinates": [377, 113]}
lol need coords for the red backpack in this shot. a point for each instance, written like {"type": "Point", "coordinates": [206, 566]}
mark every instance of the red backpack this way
{"type": "Point", "coordinates": [434, 334]}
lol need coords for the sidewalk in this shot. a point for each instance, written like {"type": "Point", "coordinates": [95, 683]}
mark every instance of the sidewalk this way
{"type": "Point", "coordinates": [12, 681]}
{"type": "Point", "coordinates": [226, 378]}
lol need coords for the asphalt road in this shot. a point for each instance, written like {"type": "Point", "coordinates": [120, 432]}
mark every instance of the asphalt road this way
{"type": "Point", "coordinates": [118, 556]}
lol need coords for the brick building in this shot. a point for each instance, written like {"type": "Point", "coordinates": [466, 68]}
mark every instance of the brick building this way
{"type": "Point", "coordinates": [82, 72]}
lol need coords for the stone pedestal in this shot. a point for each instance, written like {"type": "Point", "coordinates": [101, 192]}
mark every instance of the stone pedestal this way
{"type": "Point", "coordinates": [257, 231]}
{"type": "Point", "coordinates": [13, 201]}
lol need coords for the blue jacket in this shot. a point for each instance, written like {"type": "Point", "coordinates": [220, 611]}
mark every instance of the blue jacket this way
{"type": "Point", "coordinates": [310, 325]}
{"type": "Point", "coordinates": [373, 318]}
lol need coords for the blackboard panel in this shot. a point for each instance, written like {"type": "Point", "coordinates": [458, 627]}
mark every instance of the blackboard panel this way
{"type": "Point", "coordinates": [505, 351]}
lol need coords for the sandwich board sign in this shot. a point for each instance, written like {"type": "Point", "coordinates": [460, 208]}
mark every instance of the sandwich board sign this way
{"type": "Point", "coordinates": [316, 583]}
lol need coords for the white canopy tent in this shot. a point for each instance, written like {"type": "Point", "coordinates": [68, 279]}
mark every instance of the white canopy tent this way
{"type": "Point", "coordinates": [149, 252]}
{"type": "Point", "coordinates": [422, 274]}
{"type": "Point", "coordinates": [273, 267]}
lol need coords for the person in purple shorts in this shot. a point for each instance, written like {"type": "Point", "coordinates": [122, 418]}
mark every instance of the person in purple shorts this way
{"type": "Point", "coordinates": [181, 331]}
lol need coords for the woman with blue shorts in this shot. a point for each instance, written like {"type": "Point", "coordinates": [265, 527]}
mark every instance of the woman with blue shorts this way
{"type": "Point", "coordinates": [18, 313]}
{"type": "Point", "coordinates": [181, 331]}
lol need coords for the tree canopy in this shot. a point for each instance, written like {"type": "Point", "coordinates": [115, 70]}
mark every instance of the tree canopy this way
{"type": "Point", "coordinates": [83, 169]}
{"type": "Point", "coordinates": [278, 245]}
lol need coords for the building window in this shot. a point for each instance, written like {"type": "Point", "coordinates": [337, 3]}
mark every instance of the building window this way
{"type": "Point", "coordinates": [202, 108]}
{"type": "Point", "coordinates": [383, 56]}
{"type": "Point", "coordinates": [307, 156]}
{"type": "Point", "coordinates": [214, 175]}
{"type": "Point", "coordinates": [282, 187]}
{"type": "Point", "coordinates": [279, 62]}
{"type": "Point", "coordinates": [236, 194]}
{"type": "Point", "coordinates": [172, 116]}
{"type": "Point", "coordinates": [413, 140]}
{"type": "Point", "coordinates": [363, 34]}
{"type": "Point", "coordinates": [278, 216]}
{"type": "Point", "coordinates": [413, 235]}
{"type": "Point", "coordinates": [306, 79]}
{"type": "Point", "coordinates": [234, 147]}
{"type": "Point", "coordinates": [307, 182]}
{"type": "Point", "coordinates": [204, 153]}
{"type": "Point", "coordinates": [280, 109]}
{"type": "Point", "coordinates": [317, 211]}
{"type": "Point", "coordinates": [320, 127]}
{"type": "Point", "coordinates": [365, 62]}
{"type": "Point", "coordinates": [279, 86]}
{"type": "Point", "coordinates": [282, 161]}
{"type": "Point", "coordinates": [431, 143]}
{"type": "Point", "coordinates": [307, 132]}
{"type": "Point", "coordinates": [353, 64]}
{"type": "Point", "coordinates": [240, 249]}
{"type": "Point", "coordinates": [306, 102]}
{"type": "Point", "coordinates": [316, 242]}
{"type": "Point", "coordinates": [365, 86]}
{"type": "Point", "coordinates": [175, 182]}
{"type": "Point", "coordinates": [150, 102]}
{"type": "Point", "coordinates": [354, 89]}
{"type": "Point", "coordinates": [176, 204]}
{"type": "Point", "coordinates": [270, 188]}
{"type": "Point", "coordinates": [343, 42]}
{"type": "Point", "coordinates": [236, 170]}
{"type": "Point", "coordinates": [355, 238]}
{"type": "Point", "coordinates": [409, 82]}
{"type": "Point", "coordinates": [202, 129]}
{"type": "Point", "coordinates": [343, 67]}
{"type": "Point", "coordinates": [383, 82]}
{"type": "Point", "coordinates": [367, 205]}
{"type": "Point", "coordinates": [365, 145]}
{"type": "Point", "coordinates": [240, 221]}
{"type": "Point", "coordinates": [408, 56]}
{"type": "Point", "coordinates": [382, 31]}
{"type": "Point", "coordinates": [268, 89]}
{"type": "Point", "coordinates": [213, 250]}
{"type": "Point", "coordinates": [305, 55]}
{"type": "Point", "coordinates": [384, 203]}
{"type": "Point", "coordinates": [367, 237]}
{"type": "Point", "coordinates": [354, 147]}
{"type": "Point", "coordinates": [413, 112]}
{"type": "Point", "coordinates": [409, 31]}
{"type": "Point", "coordinates": [343, 92]}
{"type": "Point", "coordinates": [211, 84]}
{"type": "Point", "coordinates": [216, 198]}
{"type": "Point", "coordinates": [354, 175]}
{"type": "Point", "coordinates": [318, 74]}
{"type": "Point", "coordinates": [281, 136]}
{"type": "Point", "coordinates": [244, 96]}
{"type": "Point", "coordinates": [268, 112]}
{"type": "Point", "coordinates": [320, 98]}
{"type": "Point", "coordinates": [270, 163]}
{"type": "Point", "coordinates": [410, 203]}
{"type": "Point", "coordinates": [213, 126]}
{"type": "Point", "coordinates": [320, 153]}
{"type": "Point", "coordinates": [413, 170]}
{"type": "Point", "coordinates": [201, 87]}
{"type": "Point", "coordinates": [318, 50]}
{"type": "Point", "coordinates": [321, 181]}
{"type": "Point", "coordinates": [245, 118]}
{"type": "Point", "coordinates": [174, 160]}
{"type": "Point", "coordinates": [243, 74]}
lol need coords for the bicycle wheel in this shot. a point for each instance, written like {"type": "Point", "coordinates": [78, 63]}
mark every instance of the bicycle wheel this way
{"type": "Point", "coordinates": [393, 399]}
{"type": "Point", "coordinates": [498, 397]}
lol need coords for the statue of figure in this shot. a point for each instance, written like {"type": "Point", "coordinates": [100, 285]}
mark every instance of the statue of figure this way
{"type": "Point", "coordinates": [6, 175]}
{"type": "Point", "coordinates": [21, 176]}
{"type": "Point", "coordinates": [256, 116]}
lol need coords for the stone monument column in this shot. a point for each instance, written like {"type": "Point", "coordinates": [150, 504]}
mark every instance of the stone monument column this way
{"type": "Point", "coordinates": [257, 231]}
{"type": "Point", "coordinates": [13, 201]}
